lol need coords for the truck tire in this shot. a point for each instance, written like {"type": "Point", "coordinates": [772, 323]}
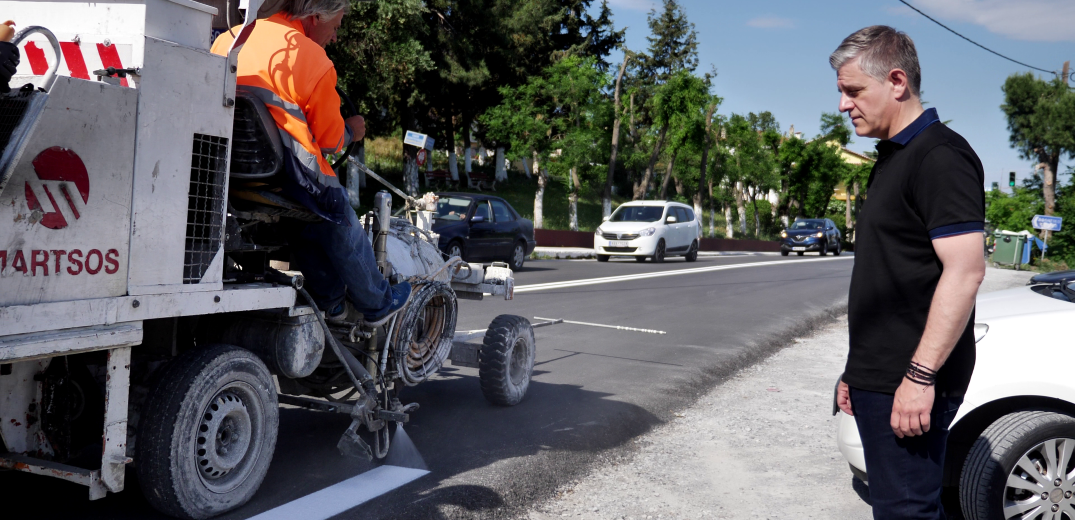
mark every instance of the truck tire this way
{"type": "Point", "coordinates": [208, 432]}
{"type": "Point", "coordinates": [984, 488]}
{"type": "Point", "coordinates": [506, 360]}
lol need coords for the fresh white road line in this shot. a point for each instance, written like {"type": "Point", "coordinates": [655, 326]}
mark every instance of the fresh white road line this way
{"type": "Point", "coordinates": [338, 498]}
{"type": "Point", "coordinates": [659, 274]}
{"type": "Point", "coordinates": [617, 327]}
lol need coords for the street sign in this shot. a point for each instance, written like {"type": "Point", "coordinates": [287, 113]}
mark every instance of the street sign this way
{"type": "Point", "coordinates": [420, 140]}
{"type": "Point", "coordinates": [421, 157]}
{"type": "Point", "coordinates": [1046, 223]}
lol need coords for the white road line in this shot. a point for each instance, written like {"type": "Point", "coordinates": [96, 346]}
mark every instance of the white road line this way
{"type": "Point", "coordinates": [338, 498]}
{"type": "Point", "coordinates": [659, 274]}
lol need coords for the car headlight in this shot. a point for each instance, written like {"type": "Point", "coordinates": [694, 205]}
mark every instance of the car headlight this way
{"type": "Point", "coordinates": [598, 231]}
{"type": "Point", "coordinates": [783, 234]}
{"type": "Point", "coordinates": [820, 234]}
{"type": "Point", "coordinates": [979, 331]}
{"type": "Point", "coordinates": [648, 232]}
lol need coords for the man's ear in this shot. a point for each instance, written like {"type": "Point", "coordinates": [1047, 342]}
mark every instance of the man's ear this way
{"type": "Point", "coordinates": [901, 86]}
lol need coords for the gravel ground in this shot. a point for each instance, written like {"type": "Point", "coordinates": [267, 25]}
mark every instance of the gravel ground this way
{"type": "Point", "coordinates": [761, 446]}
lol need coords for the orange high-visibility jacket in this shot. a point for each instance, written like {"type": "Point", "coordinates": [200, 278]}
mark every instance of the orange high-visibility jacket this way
{"type": "Point", "coordinates": [295, 79]}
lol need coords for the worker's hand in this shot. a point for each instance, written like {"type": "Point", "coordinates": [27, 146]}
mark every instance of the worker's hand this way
{"type": "Point", "coordinates": [357, 124]}
{"type": "Point", "coordinates": [911, 408]}
{"type": "Point", "coordinates": [9, 61]}
{"type": "Point", "coordinates": [843, 398]}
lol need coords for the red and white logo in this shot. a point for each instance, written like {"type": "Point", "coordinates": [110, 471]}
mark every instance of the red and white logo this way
{"type": "Point", "coordinates": [58, 168]}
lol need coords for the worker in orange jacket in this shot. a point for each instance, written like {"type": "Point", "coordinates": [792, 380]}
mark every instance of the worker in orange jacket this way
{"type": "Point", "coordinates": [284, 64]}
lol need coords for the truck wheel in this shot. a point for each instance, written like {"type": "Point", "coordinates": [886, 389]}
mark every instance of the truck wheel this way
{"type": "Point", "coordinates": [506, 360]}
{"type": "Point", "coordinates": [1020, 463]}
{"type": "Point", "coordinates": [208, 432]}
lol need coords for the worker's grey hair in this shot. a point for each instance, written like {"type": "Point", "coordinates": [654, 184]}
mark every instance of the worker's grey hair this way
{"type": "Point", "coordinates": [321, 9]}
{"type": "Point", "coordinates": [880, 49]}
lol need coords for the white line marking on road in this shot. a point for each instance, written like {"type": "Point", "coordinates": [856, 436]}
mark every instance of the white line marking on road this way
{"type": "Point", "coordinates": [659, 274]}
{"type": "Point", "coordinates": [617, 327]}
{"type": "Point", "coordinates": [338, 498]}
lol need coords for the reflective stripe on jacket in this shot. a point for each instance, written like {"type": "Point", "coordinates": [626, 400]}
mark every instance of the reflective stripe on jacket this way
{"type": "Point", "coordinates": [295, 79]}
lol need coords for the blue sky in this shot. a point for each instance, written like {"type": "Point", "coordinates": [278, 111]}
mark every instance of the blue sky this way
{"type": "Point", "coordinates": [773, 55]}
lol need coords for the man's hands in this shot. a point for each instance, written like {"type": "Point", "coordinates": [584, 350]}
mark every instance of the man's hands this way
{"type": "Point", "coordinates": [910, 409]}
{"type": "Point", "coordinates": [9, 61]}
{"type": "Point", "coordinates": [843, 398]}
{"type": "Point", "coordinates": [357, 124]}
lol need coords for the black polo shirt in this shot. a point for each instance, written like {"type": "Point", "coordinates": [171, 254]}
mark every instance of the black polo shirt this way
{"type": "Point", "coordinates": [927, 184]}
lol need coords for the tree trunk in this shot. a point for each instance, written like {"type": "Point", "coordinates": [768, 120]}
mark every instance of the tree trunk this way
{"type": "Point", "coordinates": [526, 166]}
{"type": "Point", "coordinates": [573, 200]}
{"type": "Point", "coordinates": [698, 196]}
{"type": "Point", "coordinates": [606, 198]}
{"type": "Point", "coordinates": [643, 186]}
{"type": "Point", "coordinates": [742, 210]}
{"type": "Point", "coordinates": [729, 223]}
{"type": "Point", "coordinates": [453, 162]}
{"type": "Point", "coordinates": [1048, 165]}
{"type": "Point", "coordinates": [712, 211]}
{"type": "Point", "coordinates": [668, 174]}
{"type": "Point", "coordinates": [757, 221]}
{"type": "Point", "coordinates": [501, 170]}
{"type": "Point", "coordinates": [539, 195]}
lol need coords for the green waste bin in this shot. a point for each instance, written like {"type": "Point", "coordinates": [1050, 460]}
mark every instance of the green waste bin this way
{"type": "Point", "coordinates": [1008, 249]}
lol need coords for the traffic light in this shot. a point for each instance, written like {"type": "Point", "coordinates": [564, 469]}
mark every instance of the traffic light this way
{"type": "Point", "coordinates": [1011, 179]}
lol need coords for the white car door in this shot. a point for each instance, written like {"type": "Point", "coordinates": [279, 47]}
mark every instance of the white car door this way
{"type": "Point", "coordinates": [682, 227]}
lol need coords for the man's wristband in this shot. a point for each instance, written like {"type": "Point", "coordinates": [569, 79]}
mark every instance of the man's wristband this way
{"type": "Point", "coordinates": [921, 374]}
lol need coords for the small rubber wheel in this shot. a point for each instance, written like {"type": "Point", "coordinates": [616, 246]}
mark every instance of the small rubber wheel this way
{"type": "Point", "coordinates": [506, 360]}
{"type": "Point", "coordinates": [455, 248]}
{"type": "Point", "coordinates": [518, 256]}
{"type": "Point", "coordinates": [640, 259]}
{"type": "Point", "coordinates": [1019, 468]}
{"type": "Point", "coordinates": [839, 249]}
{"type": "Point", "coordinates": [824, 249]}
{"type": "Point", "coordinates": [783, 253]}
{"type": "Point", "coordinates": [208, 432]}
{"type": "Point", "coordinates": [603, 258]}
{"type": "Point", "coordinates": [692, 253]}
{"type": "Point", "coordinates": [800, 253]}
{"type": "Point", "coordinates": [658, 254]}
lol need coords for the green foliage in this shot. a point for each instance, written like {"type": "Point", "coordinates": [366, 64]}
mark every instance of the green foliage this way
{"type": "Point", "coordinates": [673, 44]}
{"type": "Point", "coordinates": [1013, 212]}
{"type": "Point", "coordinates": [1041, 115]}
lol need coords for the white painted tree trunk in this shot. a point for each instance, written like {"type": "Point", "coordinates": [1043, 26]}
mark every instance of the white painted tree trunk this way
{"type": "Point", "coordinates": [501, 167]}
{"type": "Point", "coordinates": [739, 204]}
{"type": "Point", "coordinates": [453, 164]}
{"type": "Point", "coordinates": [410, 174]}
{"type": "Point", "coordinates": [729, 223]}
{"type": "Point", "coordinates": [573, 211]}
{"type": "Point", "coordinates": [481, 156]}
{"type": "Point", "coordinates": [468, 160]}
{"type": "Point", "coordinates": [539, 195]}
{"type": "Point", "coordinates": [525, 167]}
{"type": "Point", "coordinates": [712, 221]}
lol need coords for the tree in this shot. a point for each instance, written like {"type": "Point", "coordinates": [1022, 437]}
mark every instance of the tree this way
{"type": "Point", "coordinates": [683, 97]}
{"type": "Point", "coordinates": [673, 45]}
{"type": "Point", "coordinates": [753, 165]}
{"type": "Point", "coordinates": [1041, 119]}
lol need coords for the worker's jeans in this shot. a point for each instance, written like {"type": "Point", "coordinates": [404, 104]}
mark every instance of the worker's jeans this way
{"type": "Point", "coordinates": [337, 261]}
{"type": "Point", "coordinates": [905, 474]}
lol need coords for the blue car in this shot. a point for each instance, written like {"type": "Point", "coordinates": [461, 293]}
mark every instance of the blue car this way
{"type": "Point", "coordinates": [814, 234]}
{"type": "Point", "coordinates": [481, 228]}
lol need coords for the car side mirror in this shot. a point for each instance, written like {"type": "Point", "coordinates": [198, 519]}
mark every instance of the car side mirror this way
{"type": "Point", "coordinates": [477, 219]}
{"type": "Point", "coordinates": [670, 220]}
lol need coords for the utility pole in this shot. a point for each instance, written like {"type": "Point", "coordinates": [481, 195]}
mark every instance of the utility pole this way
{"type": "Point", "coordinates": [1067, 69]}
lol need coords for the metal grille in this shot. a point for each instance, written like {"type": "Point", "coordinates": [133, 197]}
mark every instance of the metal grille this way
{"type": "Point", "coordinates": [620, 249]}
{"type": "Point", "coordinates": [613, 236]}
{"type": "Point", "coordinates": [12, 107]}
{"type": "Point", "coordinates": [205, 205]}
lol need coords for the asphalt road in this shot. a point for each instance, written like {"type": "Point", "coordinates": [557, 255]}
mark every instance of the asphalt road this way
{"type": "Point", "coordinates": [594, 389]}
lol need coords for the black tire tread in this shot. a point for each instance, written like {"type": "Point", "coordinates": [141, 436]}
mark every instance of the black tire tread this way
{"type": "Point", "coordinates": [983, 462]}
{"type": "Point", "coordinates": [494, 360]}
{"type": "Point", "coordinates": [157, 423]}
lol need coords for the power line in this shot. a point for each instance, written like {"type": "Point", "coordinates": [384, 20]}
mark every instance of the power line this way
{"type": "Point", "coordinates": [974, 42]}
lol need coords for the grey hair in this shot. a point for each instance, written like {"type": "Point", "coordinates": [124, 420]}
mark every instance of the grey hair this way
{"type": "Point", "coordinates": [880, 49]}
{"type": "Point", "coordinates": [322, 9]}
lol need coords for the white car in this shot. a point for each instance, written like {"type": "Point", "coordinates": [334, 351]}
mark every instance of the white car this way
{"type": "Point", "coordinates": [1011, 450]}
{"type": "Point", "coordinates": [649, 229]}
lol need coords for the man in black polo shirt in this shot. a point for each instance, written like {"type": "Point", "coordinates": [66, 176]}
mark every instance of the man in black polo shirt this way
{"type": "Point", "coordinates": [918, 265]}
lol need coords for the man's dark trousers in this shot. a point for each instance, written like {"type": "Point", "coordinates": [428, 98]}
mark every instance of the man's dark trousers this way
{"type": "Point", "coordinates": [905, 474]}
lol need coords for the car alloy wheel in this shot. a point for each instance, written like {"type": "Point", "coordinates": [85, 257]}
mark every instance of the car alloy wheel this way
{"type": "Point", "coordinates": [455, 249]}
{"type": "Point", "coordinates": [658, 254]}
{"type": "Point", "coordinates": [518, 256]}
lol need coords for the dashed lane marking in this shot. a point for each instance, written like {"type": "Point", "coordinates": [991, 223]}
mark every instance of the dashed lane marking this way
{"type": "Point", "coordinates": [341, 497]}
{"type": "Point", "coordinates": [660, 274]}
